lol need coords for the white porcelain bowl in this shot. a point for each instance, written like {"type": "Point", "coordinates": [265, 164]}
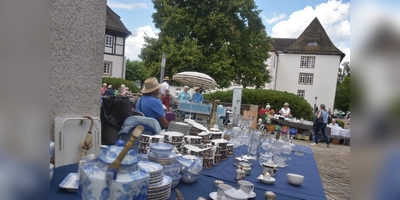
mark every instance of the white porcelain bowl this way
{"type": "Point", "coordinates": [295, 179]}
{"type": "Point", "coordinates": [51, 170]}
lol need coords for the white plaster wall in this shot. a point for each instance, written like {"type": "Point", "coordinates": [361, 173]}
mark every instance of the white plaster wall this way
{"type": "Point", "coordinates": [271, 62]}
{"type": "Point", "coordinates": [119, 49]}
{"type": "Point", "coordinates": [120, 40]}
{"type": "Point", "coordinates": [325, 77]}
{"type": "Point", "coordinates": [76, 49]}
{"type": "Point", "coordinates": [117, 65]}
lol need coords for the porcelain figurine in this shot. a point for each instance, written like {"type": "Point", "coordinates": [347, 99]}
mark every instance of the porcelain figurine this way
{"type": "Point", "coordinates": [128, 182]}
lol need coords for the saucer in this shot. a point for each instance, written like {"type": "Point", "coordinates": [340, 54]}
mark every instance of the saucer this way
{"type": "Point", "coordinates": [252, 195]}
{"type": "Point", "coordinates": [213, 195]}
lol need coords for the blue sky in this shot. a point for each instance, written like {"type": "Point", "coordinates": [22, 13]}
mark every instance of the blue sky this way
{"type": "Point", "coordinates": [282, 19]}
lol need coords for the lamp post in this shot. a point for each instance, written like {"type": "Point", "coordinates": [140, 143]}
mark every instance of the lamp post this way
{"type": "Point", "coordinates": [315, 105]}
{"type": "Point", "coordinates": [163, 60]}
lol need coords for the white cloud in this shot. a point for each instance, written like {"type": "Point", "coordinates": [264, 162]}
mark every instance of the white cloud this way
{"type": "Point", "coordinates": [135, 42]}
{"type": "Point", "coordinates": [274, 19]}
{"type": "Point", "coordinates": [128, 6]}
{"type": "Point", "coordinates": [334, 17]}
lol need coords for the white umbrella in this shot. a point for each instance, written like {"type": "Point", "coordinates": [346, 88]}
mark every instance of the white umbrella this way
{"type": "Point", "coordinates": [195, 79]}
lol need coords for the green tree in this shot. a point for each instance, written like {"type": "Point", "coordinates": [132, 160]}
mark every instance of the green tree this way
{"type": "Point", "coordinates": [135, 71]}
{"type": "Point", "coordinates": [342, 97]}
{"type": "Point", "coordinates": [224, 39]}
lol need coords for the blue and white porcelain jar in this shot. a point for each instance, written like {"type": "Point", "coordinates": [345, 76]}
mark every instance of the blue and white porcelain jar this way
{"type": "Point", "coordinates": [130, 183]}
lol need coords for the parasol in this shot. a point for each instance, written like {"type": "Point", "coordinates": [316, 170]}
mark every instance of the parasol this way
{"type": "Point", "coordinates": [195, 79]}
{"type": "Point", "coordinates": [87, 144]}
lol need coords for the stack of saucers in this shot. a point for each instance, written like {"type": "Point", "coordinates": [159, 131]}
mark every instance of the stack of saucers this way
{"type": "Point", "coordinates": [162, 153]}
{"type": "Point", "coordinates": [160, 184]}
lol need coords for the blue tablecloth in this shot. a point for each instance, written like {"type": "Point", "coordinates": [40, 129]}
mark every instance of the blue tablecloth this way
{"type": "Point", "coordinates": [199, 108]}
{"type": "Point", "coordinates": [204, 185]}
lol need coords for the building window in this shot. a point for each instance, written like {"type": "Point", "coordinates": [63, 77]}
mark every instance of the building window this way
{"type": "Point", "coordinates": [307, 62]}
{"type": "Point", "coordinates": [313, 43]}
{"type": "Point", "coordinates": [109, 40]}
{"type": "Point", "coordinates": [301, 93]}
{"type": "Point", "coordinates": [107, 68]}
{"type": "Point", "coordinates": [306, 78]}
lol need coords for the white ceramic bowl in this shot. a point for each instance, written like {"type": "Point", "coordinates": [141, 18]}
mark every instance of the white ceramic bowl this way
{"type": "Point", "coordinates": [51, 170]}
{"type": "Point", "coordinates": [295, 179]}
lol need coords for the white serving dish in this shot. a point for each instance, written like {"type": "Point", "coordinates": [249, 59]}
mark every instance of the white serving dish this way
{"type": "Point", "coordinates": [267, 180]}
{"type": "Point", "coordinates": [295, 179]}
{"type": "Point", "coordinates": [70, 183]}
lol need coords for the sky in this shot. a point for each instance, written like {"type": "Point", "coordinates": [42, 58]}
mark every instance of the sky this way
{"type": "Point", "coordinates": [282, 19]}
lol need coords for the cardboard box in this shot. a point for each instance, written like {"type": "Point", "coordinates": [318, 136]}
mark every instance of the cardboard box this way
{"type": "Point", "coordinates": [336, 141]}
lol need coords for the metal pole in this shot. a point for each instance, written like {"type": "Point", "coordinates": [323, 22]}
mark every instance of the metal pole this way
{"type": "Point", "coordinates": [315, 105]}
{"type": "Point", "coordinates": [163, 60]}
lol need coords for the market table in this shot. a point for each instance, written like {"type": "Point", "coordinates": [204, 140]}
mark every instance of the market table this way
{"type": "Point", "coordinates": [204, 185]}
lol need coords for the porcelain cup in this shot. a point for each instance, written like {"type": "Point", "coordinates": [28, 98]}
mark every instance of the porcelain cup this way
{"type": "Point", "coordinates": [156, 138]}
{"type": "Point", "coordinates": [246, 186]}
{"type": "Point", "coordinates": [221, 189]}
{"type": "Point", "coordinates": [145, 138]}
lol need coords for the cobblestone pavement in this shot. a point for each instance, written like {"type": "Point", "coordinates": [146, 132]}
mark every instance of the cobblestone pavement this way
{"type": "Point", "coordinates": [334, 168]}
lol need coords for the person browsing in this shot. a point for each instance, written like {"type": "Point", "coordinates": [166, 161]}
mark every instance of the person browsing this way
{"type": "Point", "coordinates": [184, 95]}
{"type": "Point", "coordinates": [197, 96]}
{"type": "Point", "coordinates": [285, 111]}
{"type": "Point", "coordinates": [165, 93]}
{"type": "Point", "coordinates": [333, 124]}
{"type": "Point", "coordinates": [149, 104]}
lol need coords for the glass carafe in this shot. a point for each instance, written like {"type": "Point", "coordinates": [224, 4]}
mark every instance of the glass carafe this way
{"type": "Point", "coordinates": [254, 144]}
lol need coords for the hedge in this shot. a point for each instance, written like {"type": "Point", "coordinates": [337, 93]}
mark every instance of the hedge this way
{"type": "Point", "coordinates": [299, 107]}
{"type": "Point", "coordinates": [117, 82]}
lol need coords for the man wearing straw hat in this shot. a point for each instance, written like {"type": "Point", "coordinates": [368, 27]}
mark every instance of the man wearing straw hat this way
{"type": "Point", "coordinates": [149, 104]}
{"type": "Point", "coordinates": [165, 93]}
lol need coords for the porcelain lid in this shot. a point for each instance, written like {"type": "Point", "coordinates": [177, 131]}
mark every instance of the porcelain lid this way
{"type": "Point", "coordinates": [110, 153]}
{"type": "Point", "coordinates": [236, 193]}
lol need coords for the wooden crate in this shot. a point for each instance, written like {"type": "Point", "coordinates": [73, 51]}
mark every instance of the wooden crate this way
{"type": "Point", "coordinates": [336, 141]}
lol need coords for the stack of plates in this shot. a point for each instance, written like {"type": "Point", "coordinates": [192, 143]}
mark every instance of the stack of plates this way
{"type": "Point", "coordinates": [155, 170]}
{"type": "Point", "coordinates": [171, 159]}
{"type": "Point", "coordinates": [160, 190]}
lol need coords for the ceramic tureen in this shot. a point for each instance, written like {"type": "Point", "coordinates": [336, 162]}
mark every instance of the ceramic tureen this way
{"type": "Point", "coordinates": [95, 181]}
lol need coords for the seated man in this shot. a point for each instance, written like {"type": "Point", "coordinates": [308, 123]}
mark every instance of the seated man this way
{"type": "Point", "coordinates": [184, 95]}
{"type": "Point", "coordinates": [149, 104]}
{"type": "Point", "coordinates": [197, 97]}
{"type": "Point", "coordinates": [333, 124]}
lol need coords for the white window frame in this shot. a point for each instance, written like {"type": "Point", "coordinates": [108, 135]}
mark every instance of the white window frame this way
{"type": "Point", "coordinates": [108, 40]}
{"type": "Point", "coordinates": [107, 72]}
{"type": "Point", "coordinates": [312, 43]}
{"type": "Point", "coordinates": [301, 93]}
{"type": "Point", "coordinates": [307, 62]}
{"type": "Point", "coordinates": [306, 78]}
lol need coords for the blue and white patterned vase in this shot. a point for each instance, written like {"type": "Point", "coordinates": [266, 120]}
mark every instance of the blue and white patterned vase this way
{"type": "Point", "coordinates": [130, 183]}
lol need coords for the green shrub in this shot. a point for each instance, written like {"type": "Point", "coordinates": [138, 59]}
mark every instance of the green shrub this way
{"type": "Point", "coordinates": [117, 82]}
{"type": "Point", "coordinates": [299, 107]}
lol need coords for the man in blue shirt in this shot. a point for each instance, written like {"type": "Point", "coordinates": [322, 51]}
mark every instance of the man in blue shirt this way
{"type": "Point", "coordinates": [184, 95]}
{"type": "Point", "coordinates": [149, 104]}
{"type": "Point", "coordinates": [197, 97]}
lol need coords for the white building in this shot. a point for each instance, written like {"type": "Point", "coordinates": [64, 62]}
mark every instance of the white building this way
{"type": "Point", "coordinates": [114, 46]}
{"type": "Point", "coordinates": [307, 66]}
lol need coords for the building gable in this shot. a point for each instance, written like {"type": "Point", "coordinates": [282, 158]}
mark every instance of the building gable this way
{"type": "Point", "coordinates": [315, 35]}
{"type": "Point", "coordinates": [114, 25]}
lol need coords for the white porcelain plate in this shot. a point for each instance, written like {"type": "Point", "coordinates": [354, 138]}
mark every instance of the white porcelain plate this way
{"type": "Point", "coordinates": [213, 195]}
{"type": "Point", "coordinates": [70, 182]}
{"type": "Point", "coordinates": [166, 181]}
{"type": "Point", "coordinates": [268, 181]}
{"type": "Point", "coordinates": [252, 195]}
{"type": "Point", "coordinates": [150, 167]}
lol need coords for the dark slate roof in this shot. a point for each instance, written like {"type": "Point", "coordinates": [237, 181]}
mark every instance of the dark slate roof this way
{"type": "Point", "coordinates": [114, 24]}
{"type": "Point", "coordinates": [314, 32]}
{"type": "Point", "coordinates": [281, 44]}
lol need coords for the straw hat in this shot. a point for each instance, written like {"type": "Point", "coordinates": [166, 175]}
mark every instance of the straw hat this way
{"type": "Point", "coordinates": [166, 78]}
{"type": "Point", "coordinates": [150, 85]}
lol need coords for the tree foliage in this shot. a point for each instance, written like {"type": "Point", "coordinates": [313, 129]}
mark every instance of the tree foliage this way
{"type": "Point", "coordinates": [135, 71]}
{"type": "Point", "coordinates": [342, 97]}
{"type": "Point", "coordinates": [224, 39]}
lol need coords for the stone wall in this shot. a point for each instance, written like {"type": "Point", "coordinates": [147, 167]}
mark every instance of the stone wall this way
{"type": "Point", "coordinates": [77, 29]}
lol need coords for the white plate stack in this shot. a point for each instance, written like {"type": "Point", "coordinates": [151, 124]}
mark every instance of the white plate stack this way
{"type": "Point", "coordinates": [160, 184]}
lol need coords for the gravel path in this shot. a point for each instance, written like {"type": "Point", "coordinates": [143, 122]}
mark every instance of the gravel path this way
{"type": "Point", "coordinates": [334, 168]}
